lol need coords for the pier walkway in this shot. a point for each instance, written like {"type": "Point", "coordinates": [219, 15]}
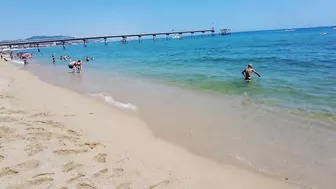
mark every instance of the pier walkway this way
{"type": "Point", "coordinates": [63, 41]}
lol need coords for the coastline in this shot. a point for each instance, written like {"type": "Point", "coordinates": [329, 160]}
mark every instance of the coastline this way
{"type": "Point", "coordinates": [53, 137]}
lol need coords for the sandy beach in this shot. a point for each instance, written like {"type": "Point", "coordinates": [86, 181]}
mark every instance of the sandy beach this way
{"type": "Point", "coordinates": [51, 137]}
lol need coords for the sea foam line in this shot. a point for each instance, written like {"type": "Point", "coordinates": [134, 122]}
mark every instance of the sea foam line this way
{"type": "Point", "coordinates": [17, 61]}
{"type": "Point", "coordinates": [109, 99]}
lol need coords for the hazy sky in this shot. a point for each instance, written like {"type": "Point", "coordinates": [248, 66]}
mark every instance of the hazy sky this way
{"type": "Point", "coordinates": [23, 18]}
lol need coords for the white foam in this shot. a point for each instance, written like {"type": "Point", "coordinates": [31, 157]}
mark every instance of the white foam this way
{"type": "Point", "coordinates": [17, 61]}
{"type": "Point", "coordinates": [108, 99]}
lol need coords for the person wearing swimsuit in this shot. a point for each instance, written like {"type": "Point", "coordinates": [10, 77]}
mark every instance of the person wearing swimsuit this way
{"type": "Point", "coordinates": [76, 65]}
{"type": "Point", "coordinates": [247, 73]}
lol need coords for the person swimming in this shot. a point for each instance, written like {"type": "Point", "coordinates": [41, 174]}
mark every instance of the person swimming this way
{"type": "Point", "coordinates": [247, 73]}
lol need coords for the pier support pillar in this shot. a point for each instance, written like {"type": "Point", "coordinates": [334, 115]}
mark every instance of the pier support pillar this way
{"type": "Point", "coordinates": [154, 37]}
{"type": "Point", "coordinates": [213, 33]}
{"type": "Point", "coordinates": [63, 43]}
{"type": "Point", "coordinates": [192, 34]}
{"type": "Point", "coordinates": [167, 36]}
{"type": "Point", "coordinates": [202, 33]}
{"type": "Point", "coordinates": [140, 38]}
{"type": "Point", "coordinates": [38, 48]}
{"type": "Point", "coordinates": [84, 41]}
{"type": "Point", "coordinates": [180, 34]}
{"type": "Point", "coordinates": [105, 42]}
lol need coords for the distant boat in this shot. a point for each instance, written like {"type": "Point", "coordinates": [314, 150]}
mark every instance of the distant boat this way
{"type": "Point", "coordinates": [334, 28]}
{"type": "Point", "coordinates": [176, 37]}
{"type": "Point", "coordinates": [323, 33]}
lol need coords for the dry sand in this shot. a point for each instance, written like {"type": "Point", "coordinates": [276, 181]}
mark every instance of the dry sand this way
{"type": "Point", "coordinates": [51, 137]}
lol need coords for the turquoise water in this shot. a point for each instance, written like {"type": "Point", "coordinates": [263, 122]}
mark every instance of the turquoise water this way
{"type": "Point", "coordinates": [297, 67]}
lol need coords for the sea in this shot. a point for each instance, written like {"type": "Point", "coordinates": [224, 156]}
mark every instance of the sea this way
{"type": "Point", "coordinates": [191, 92]}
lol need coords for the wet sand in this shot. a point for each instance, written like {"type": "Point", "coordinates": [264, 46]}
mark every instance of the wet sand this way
{"type": "Point", "coordinates": [52, 137]}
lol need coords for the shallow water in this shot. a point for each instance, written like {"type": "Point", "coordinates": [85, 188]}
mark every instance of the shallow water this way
{"type": "Point", "coordinates": [281, 125]}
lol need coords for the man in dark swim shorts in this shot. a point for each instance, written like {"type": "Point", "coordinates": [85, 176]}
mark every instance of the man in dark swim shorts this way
{"type": "Point", "coordinates": [247, 73]}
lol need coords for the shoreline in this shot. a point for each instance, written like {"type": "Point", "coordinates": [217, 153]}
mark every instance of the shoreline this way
{"type": "Point", "coordinates": [133, 156]}
{"type": "Point", "coordinates": [251, 148]}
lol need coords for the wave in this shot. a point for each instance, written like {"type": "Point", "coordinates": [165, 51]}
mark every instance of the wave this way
{"type": "Point", "coordinates": [109, 100]}
{"type": "Point", "coordinates": [17, 62]}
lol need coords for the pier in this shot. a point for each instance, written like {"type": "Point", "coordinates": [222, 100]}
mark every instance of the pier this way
{"type": "Point", "coordinates": [85, 40]}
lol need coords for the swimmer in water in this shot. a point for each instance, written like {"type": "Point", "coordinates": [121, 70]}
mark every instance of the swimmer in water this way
{"type": "Point", "coordinates": [247, 73]}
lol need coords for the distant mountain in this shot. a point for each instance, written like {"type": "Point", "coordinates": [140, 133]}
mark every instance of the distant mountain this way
{"type": "Point", "coordinates": [48, 37]}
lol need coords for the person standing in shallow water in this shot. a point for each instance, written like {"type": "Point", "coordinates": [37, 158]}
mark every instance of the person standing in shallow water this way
{"type": "Point", "coordinates": [247, 73]}
{"type": "Point", "coordinates": [53, 58]}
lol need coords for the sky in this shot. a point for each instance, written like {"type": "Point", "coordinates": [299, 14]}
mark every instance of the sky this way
{"type": "Point", "coordinates": [84, 18]}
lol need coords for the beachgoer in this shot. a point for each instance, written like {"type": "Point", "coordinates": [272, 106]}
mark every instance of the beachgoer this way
{"type": "Point", "coordinates": [92, 58]}
{"type": "Point", "coordinates": [79, 66]}
{"type": "Point", "coordinates": [75, 65]}
{"type": "Point", "coordinates": [247, 73]}
{"type": "Point", "coordinates": [87, 59]}
{"type": "Point", "coordinates": [25, 63]}
{"type": "Point", "coordinates": [53, 58]}
{"type": "Point", "coordinates": [1, 56]}
{"type": "Point", "coordinates": [11, 55]}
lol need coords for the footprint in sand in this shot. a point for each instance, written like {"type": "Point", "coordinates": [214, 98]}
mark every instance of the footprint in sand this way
{"type": "Point", "coordinates": [42, 174]}
{"type": "Point", "coordinates": [100, 158]}
{"type": "Point", "coordinates": [35, 129]}
{"type": "Point", "coordinates": [2, 96]}
{"type": "Point", "coordinates": [101, 172]}
{"type": "Point", "coordinates": [51, 123]}
{"type": "Point", "coordinates": [28, 165]}
{"type": "Point", "coordinates": [124, 186]}
{"type": "Point", "coordinates": [42, 114]}
{"type": "Point", "coordinates": [65, 152]}
{"type": "Point", "coordinates": [40, 181]}
{"type": "Point", "coordinates": [162, 183]}
{"type": "Point", "coordinates": [118, 172]}
{"type": "Point", "coordinates": [41, 135]}
{"type": "Point", "coordinates": [84, 186]}
{"type": "Point", "coordinates": [34, 148]}
{"type": "Point", "coordinates": [71, 166]}
{"type": "Point", "coordinates": [68, 138]}
{"type": "Point", "coordinates": [7, 119]}
{"type": "Point", "coordinates": [16, 187]}
{"type": "Point", "coordinates": [92, 145]}
{"type": "Point", "coordinates": [7, 171]}
{"type": "Point", "coordinates": [4, 110]}
{"type": "Point", "coordinates": [80, 175]}
{"type": "Point", "coordinates": [5, 131]}
{"type": "Point", "coordinates": [72, 132]}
